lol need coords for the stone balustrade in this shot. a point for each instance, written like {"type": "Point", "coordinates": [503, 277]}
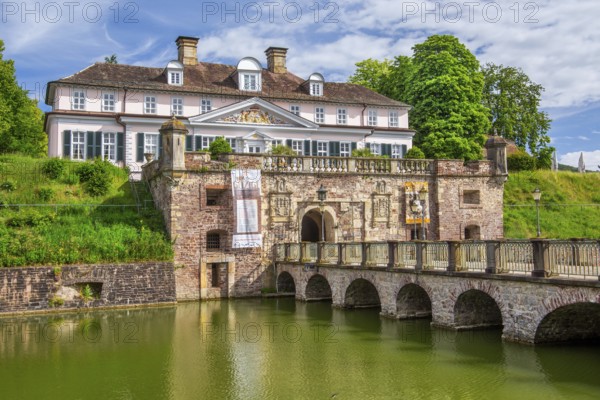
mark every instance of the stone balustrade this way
{"type": "Point", "coordinates": [577, 258]}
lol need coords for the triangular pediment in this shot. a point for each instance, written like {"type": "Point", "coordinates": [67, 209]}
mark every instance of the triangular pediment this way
{"type": "Point", "coordinates": [252, 112]}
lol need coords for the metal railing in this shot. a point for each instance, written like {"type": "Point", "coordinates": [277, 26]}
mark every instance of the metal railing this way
{"type": "Point", "coordinates": [573, 259]}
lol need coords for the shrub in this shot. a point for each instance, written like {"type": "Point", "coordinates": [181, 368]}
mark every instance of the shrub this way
{"type": "Point", "coordinates": [219, 146]}
{"type": "Point", "coordinates": [53, 168]}
{"type": "Point", "coordinates": [45, 194]}
{"type": "Point", "coordinates": [56, 302]}
{"type": "Point", "coordinates": [30, 218]}
{"type": "Point", "coordinates": [8, 186]}
{"type": "Point", "coordinates": [520, 161]}
{"type": "Point", "coordinates": [96, 177]}
{"type": "Point", "coordinates": [362, 153]}
{"type": "Point", "coordinates": [282, 150]}
{"type": "Point", "coordinates": [415, 153]}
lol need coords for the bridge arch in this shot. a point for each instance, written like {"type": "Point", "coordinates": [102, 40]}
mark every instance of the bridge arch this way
{"type": "Point", "coordinates": [413, 301]}
{"type": "Point", "coordinates": [577, 322]}
{"type": "Point", "coordinates": [476, 309]}
{"type": "Point", "coordinates": [318, 288]}
{"type": "Point", "coordinates": [286, 283]}
{"type": "Point", "coordinates": [361, 293]}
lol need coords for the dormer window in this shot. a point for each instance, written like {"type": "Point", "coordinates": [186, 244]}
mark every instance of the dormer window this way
{"type": "Point", "coordinates": [174, 72]}
{"type": "Point", "coordinates": [249, 74]}
{"type": "Point", "coordinates": [315, 84]}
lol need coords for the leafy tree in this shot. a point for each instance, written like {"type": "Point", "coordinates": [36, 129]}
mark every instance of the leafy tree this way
{"type": "Point", "coordinates": [513, 100]}
{"type": "Point", "coordinates": [446, 91]}
{"type": "Point", "coordinates": [219, 146]}
{"type": "Point", "coordinates": [21, 121]}
{"type": "Point", "coordinates": [111, 60]}
{"type": "Point", "coordinates": [364, 152]}
{"type": "Point", "coordinates": [386, 77]}
{"type": "Point", "coordinates": [414, 153]}
{"type": "Point", "coordinates": [282, 150]}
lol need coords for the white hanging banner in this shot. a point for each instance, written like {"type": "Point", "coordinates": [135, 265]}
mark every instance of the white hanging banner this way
{"type": "Point", "coordinates": [245, 185]}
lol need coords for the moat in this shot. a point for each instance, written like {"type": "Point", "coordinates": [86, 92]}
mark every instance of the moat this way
{"type": "Point", "coordinates": [276, 349]}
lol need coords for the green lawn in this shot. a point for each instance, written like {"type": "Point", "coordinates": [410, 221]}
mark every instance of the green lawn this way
{"type": "Point", "coordinates": [569, 207]}
{"type": "Point", "coordinates": [91, 229]}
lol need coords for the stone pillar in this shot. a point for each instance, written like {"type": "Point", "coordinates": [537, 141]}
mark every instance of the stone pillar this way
{"type": "Point", "coordinates": [419, 249]}
{"type": "Point", "coordinates": [453, 254]}
{"type": "Point", "coordinates": [392, 247]}
{"type": "Point", "coordinates": [172, 158]}
{"type": "Point", "coordinates": [492, 249]}
{"type": "Point", "coordinates": [541, 264]}
{"type": "Point", "coordinates": [496, 152]}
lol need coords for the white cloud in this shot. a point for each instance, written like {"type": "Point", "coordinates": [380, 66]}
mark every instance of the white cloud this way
{"type": "Point", "coordinates": [590, 158]}
{"type": "Point", "coordinates": [584, 138]}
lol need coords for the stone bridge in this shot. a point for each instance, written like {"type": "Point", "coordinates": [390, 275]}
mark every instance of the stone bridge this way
{"type": "Point", "coordinates": [530, 308]}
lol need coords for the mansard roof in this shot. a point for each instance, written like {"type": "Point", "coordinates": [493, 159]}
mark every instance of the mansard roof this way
{"type": "Point", "coordinates": [217, 79]}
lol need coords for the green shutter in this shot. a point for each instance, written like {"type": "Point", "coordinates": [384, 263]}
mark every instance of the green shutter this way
{"type": "Point", "coordinates": [120, 146]}
{"type": "Point", "coordinates": [368, 146]}
{"type": "Point", "coordinates": [90, 145]}
{"type": "Point", "coordinates": [352, 147]}
{"type": "Point", "coordinates": [386, 149]}
{"type": "Point", "coordinates": [404, 150]}
{"type": "Point", "coordinates": [98, 144]}
{"type": "Point", "coordinates": [314, 148]}
{"type": "Point", "coordinates": [67, 144]}
{"type": "Point", "coordinates": [189, 144]}
{"type": "Point", "coordinates": [334, 149]}
{"type": "Point", "coordinates": [288, 143]}
{"type": "Point", "coordinates": [140, 147]}
{"type": "Point", "coordinates": [159, 145]}
{"type": "Point", "coordinates": [198, 142]}
{"type": "Point", "coordinates": [307, 147]}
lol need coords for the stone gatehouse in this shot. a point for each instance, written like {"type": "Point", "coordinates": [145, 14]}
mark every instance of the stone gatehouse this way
{"type": "Point", "coordinates": [375, 199]}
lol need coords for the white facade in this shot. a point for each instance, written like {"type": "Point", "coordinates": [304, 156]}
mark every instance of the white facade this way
{"type": "Point", "coordinates": [121, 121]}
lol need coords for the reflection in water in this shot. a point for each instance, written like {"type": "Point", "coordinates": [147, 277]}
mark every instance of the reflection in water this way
{"type": "Point", "coordinates": [276, 349]}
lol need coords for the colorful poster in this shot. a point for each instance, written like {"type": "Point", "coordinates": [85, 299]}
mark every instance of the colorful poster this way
{"type": "Point", "coordinates": [417, 198]}
{"type": "Point", "coordinates": [245, 184]}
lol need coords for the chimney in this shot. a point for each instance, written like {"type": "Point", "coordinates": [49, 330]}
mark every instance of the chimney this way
{"type": "Point", "coordinates": [187, 50]}
{"type": "Point", "coordinates": [276, 59]}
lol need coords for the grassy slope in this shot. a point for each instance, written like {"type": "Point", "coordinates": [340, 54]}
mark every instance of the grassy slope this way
{"type": "Point", "coordinates": [562, 214]}
{"type": "Point", "coordinates": [65, 235]}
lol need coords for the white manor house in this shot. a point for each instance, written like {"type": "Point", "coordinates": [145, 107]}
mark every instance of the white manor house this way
{"type": "Point", "coordinates": [115, 111]}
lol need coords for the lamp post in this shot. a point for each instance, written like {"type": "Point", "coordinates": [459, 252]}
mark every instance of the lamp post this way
{"type": "Point", "coordinates": [322, 196]}
{"type": "Point", "coordinates": [537, 195]}
{"type": "Point", "coordinates": [423, 198]}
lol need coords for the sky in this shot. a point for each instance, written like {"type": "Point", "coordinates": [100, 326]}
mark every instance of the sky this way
{"type": "Point", "coordinates": [556, 43]}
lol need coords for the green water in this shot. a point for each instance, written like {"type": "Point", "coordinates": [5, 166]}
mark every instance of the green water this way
{"type": "Point", "coordinates": [276, 349]}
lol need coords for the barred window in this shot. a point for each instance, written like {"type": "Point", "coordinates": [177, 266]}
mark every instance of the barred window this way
{"type": "Point", "coordinates": [213, 241]}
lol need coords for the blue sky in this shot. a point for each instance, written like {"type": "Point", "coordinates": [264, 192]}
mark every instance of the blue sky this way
{"type": "Point", "coordinates": [557, 43]}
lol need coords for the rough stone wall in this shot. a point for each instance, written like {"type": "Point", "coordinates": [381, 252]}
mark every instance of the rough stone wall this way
{"type": "Point", "coordinates": [32, 289]}
{"type": "Point", "coordinates": [523, 302]}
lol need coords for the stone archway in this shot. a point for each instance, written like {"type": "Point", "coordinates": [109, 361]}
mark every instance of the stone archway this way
{"type": "Point", "coordinates": [476, 309]}
{"type": "Point", "coordinates": [311, 226]}
{"type": "Point", "coordinates": [285, 283]}
{"type": "Point", "coordinates": [318, 288]}
{"type": "Point", "coordinates": [361, 294]}
{"type": "Point", "coordinates": [413, 301]}
{"type": "Point", "coordinates": [578, 322]}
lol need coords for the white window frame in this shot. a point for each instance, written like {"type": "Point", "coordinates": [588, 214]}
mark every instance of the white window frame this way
{"type": "Point", "coordinates": [375, 149]}
{"type": "Point", "coordinates": [177, 105]}
{"type": "Point", "coordinates": [298, 147]}
{"type": "Point", "coordinates": [320, 115]}
{"type": "Point", "coordinates": [396, 151]}
{"type": "Point", "coordinates": [205, 105]}
{"type": "Point", "coordinates": [78, 100]}
{"type": "Point", "coordinates": [394, 119]}
{"type": "Point", "coordinates": [250, 81]}
{"type": "Point", "coordinates": [175, 78]}
{"type": "Point", "coordinates": [206, 141]}
{"type": "Point", "coordinates": [108, 102]}
{"type": "Point", "coordinates": [295, 109]}
{"type": "Point", "coordinates": [233, 144]}
{"type": "Point", "coordinates": [316, 89]}
{"type": "Point", "coordinates": [345, 152]}
{"type": "Point", "coordinates": [322, 148]}
{"type": "Point", "coordinates": [151, 144]}
{"type": "Point", "coordinates": [149, 104]}
{"type": "Point", "coordinates": [342, 116]}
{"type": "Point", "coordinates": [78, 146]}
{"type": "Point", "coordinates": [109, 146]}
{"type": "Point", "coordinates": [372, 118]}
